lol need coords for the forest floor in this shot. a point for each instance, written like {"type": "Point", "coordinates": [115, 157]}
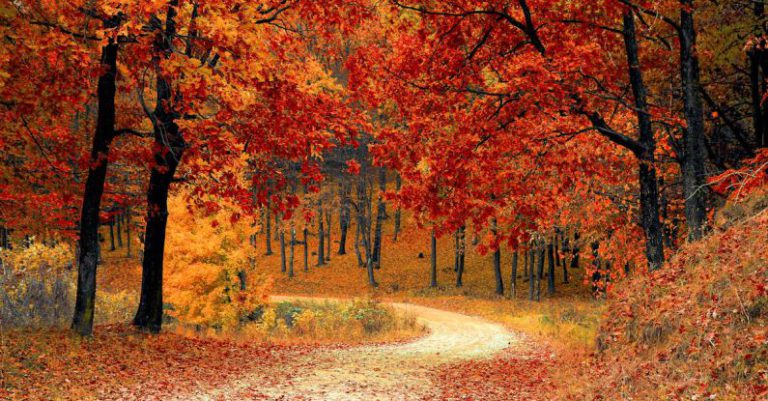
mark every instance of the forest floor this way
{"type": "Point", "coordinates": [423, 369]}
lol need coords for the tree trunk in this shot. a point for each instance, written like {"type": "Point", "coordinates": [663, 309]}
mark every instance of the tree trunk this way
{"type": "Point", "coordinates": [268, 236]}
{"type": "Point", "coordinates": [306, 249]}
{"type": "Point", "coordinates": [82, 321]}
{"type": "Point", "coordinates": [433, 261]}
{"type": "Point", "coordinates": [649, 191]}
{"type": "Point", "coordinates": [320, 235]}
{"type": "Point", "coordinates": [170, 146]}
{"type": "Point", "coordinates": [398, 184]}
{"type": "Point", "coordinates": [532, 275]}
{"type": "Point", "coordinates": [128, 231]}
{"type": "Point", "coordinates": [575, 251]}
{"type": "Point", "coordinates": [328, 225]}
{"type": "Point", "coordinates": [293, 244]}
{"type": "Point", "coordinates": [381, 212]}
{"type": "Point", "coordinates": [344, 217]}
{"type": "Point", "coordinates": [112, 247]}
{"type": "Point", "coordinates": [540, 272]}
{"type": "Point", "coordinates": [281, 238]}
{"type": "Point", "coordinates": [694, 174]}
{"type": "Point", "coordinates": [513, 277]}
{"type": "Point", "coordinates": [360, 262]}
{"type": "Point", "coordinates": [119, 232]}
{"type": "Point", "coordinates": [497, 260]}
{"type": "Point", "coordinates": [551, 271]}
{"type": "Point", "coordinates": [462, 250]}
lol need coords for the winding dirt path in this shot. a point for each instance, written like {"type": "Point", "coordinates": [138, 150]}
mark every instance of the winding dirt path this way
{"type": "Point", "coordinates": [380, 372]}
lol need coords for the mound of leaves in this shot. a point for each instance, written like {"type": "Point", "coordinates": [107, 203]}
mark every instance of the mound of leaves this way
{"type": "Point", "coordinates": [696, 329]}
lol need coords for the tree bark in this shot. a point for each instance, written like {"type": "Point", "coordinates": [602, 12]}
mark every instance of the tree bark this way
{"type": "Point", "coordinates": [398, 185]}
{"type": "Point", "coordinates": [281, 238]}
{"type": "Point", "coordinates": [328, 225]}
{"type": "Point", "coordinates": [268, 236]}
{"type": "Point", "coordinates": [293, 244]}
{"type": "Point", "coordinates": [513, 277]}
{"type": "Point", "coordinates": [381, 212]}
{"type": "Point", "coordinates": [532, 275]}
{"type": "Point", "coordinates": [462, 250]}
{"type": "Point", "coordinates": [344, 219]}
{"type": "Point", "coordinates": [694, 174]}
{"type": "Point", "coordinates": [433, 261]}
{"type": "Point", "coordinates": [540, 272]}
{"type": "Point", "coordinates": [306, 249]}
{"type": "Point", "coordinates": [649, 190]}
{"type": "Point", "coordinates": [112, 236]}
{"type": "Point", "coordinates": [497, 261]}
{"type": "Point", "coordinates": [551, 270]}
{"type": "Point", "coordinates": [119, 232]}
{"type": "Point", "coordinates": [82, 321]}
{"type": "Point", "coordinates": [170, 146]}
{"type": "Point", "coordinates": [320, 235]}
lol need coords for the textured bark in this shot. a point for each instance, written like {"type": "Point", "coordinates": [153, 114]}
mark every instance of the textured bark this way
{"type": "Point", "coordinates": [82, 321]}
{"type": "Point", "coordinates": [344, 219]}
{"type": "Point", "coordinates": [433, 261]}
{"type": "Point", "coordinates": [540, 272]}
{"type": "Point", "coordinates": [551, 269]}
{"type": "Point", "coordinates": [320, 235]}
{"type": "Point", "coordinates": [170, 145]}
{"type": "Point", "coordinates": [293, 245]}
{"type": "Point", "coordinates": [112, 236]}
{"type": "Point", "coordinates": [462, 249]}
{"type": "Point", "coordinates": [306, 249]}
{"type": "Point", "coordinates": [381, 211]}
{"type": "Point", "coordinates": [513, 277]}
{"type": "Point", "coordinates": [532, 275]}
{"type": "Point", "coordinates": [328, 225]}
{"type": "Point", "coordinates": [119, 231]}
{"type": "Point", "coordinates": [649, 191]}
{"type": "Point", "coordinates": [281, 238]}
{"type": "Point", "coordinates": [398, 184]}
{"type": "Point", "coordinates": [268, 236]}
{"type": "Point", "coordinates": [694, 174]}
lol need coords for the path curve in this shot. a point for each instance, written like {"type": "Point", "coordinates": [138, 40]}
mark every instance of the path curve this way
{"type": "Point", "coordinates": [381, 372]}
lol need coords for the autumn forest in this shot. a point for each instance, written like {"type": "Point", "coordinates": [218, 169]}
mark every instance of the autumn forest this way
{"type": "Point", "coordinates": [384, 200]}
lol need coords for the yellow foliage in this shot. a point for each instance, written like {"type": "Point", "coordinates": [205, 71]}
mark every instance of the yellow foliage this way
{"type": "Point", "coordinates": [209, 274]}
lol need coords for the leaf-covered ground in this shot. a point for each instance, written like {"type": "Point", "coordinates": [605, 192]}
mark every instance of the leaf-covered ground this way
{"type": "Point", "coordinates": [120, 364]}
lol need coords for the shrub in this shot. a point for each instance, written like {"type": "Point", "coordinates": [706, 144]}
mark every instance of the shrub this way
{"type": "Point", "coordinates": [36, 286]}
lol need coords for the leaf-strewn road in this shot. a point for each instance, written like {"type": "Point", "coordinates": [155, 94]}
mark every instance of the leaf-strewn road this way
{"type": "Point", "coordinates": [380, 372]}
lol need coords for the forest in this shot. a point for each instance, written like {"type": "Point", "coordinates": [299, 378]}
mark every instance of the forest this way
{"type": "Point", "coordinates": [423, 200]}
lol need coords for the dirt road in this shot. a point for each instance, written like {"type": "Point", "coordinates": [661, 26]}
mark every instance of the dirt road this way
{"type": "Point", "coordinates": [381, 372]}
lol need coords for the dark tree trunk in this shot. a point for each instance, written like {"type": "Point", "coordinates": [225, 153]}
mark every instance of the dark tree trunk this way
{"type": "Point", "coordinates": [649, 190]}
{"type": "Point", "coordinates": [281, 238]}
{"type": "Point", "coordinates": [306, 249]}
{"type": "Point", "coordinates": [268, 236]}
{"type": "Point", "coordinates": [112, 236]}
{"type": "Point", "coordinates": [398, 184]}
{"type": "Point", "coordinates": [328, 225]}
{"type": "Point", "coordinates": [575, 251]}
{"type": "Point", "coordinates": [513, 277]}
{"type": "Point", "coordinates": [82, 321]}
{"type": "Point", "coordinates": [320, 235]}
{"type": "Point", "coordinates": [344, 217]}
{"type": "Point", "coordinates": [433, 261]}
{"type": "Point", "coordinates": [170, 144]}
{"type": "Point", "coordinates": [381, 212]}
{"type": "Point", "coordinates": [462, 250]}
{"type": "Point", "coordinates": [551, 270]}
{"type": "Point", "coordinates": [497, 261]}
{"type": "Point", "coordinates": [363, 221]}
{"type": "Point", "coordinates": [540, 273]}
{"type": "Point", "coordinates": [694, 174]}
{"type": "Point", "coordinates": [128, 231]}
{"type": "Point", "coordinates": [293, 245]}
{"type": "Point", "coordinates": [532, 275]}
{"type": "Point", "coordinates": [119, 232]}
{"type": "Point", "coordinates": [596, 265]}
{"type": "Point", "coordinates": [359, 255]}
